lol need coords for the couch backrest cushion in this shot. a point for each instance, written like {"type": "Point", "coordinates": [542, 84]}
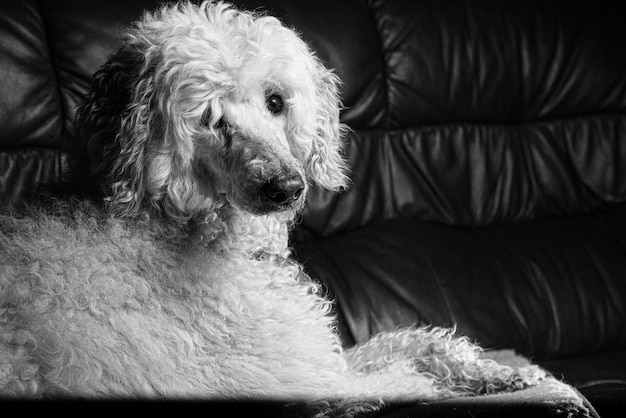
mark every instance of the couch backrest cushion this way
{"type": "Point", "coordinates": [48, 52]}
{"type": "Point", "coordinates": [482, 112]}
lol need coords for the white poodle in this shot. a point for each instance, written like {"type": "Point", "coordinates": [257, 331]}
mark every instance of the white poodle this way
{"type": "Point", "coordinates": [204, 133]}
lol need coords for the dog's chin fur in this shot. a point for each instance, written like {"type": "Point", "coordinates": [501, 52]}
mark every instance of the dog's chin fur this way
{"type": "Point", "coordinates": [181, 284]}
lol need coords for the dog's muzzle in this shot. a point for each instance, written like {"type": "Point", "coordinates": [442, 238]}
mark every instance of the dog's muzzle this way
{"type": "Point", "coordinates": [283, 191]}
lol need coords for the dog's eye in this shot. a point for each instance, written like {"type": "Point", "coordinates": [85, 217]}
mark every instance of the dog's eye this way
{"type": "Point", "coordinates": [274, 103]}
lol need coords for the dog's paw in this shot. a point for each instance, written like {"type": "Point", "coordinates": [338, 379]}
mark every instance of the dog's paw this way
{"type": "Point", "coordinates": [514, 379]}
{"type": "Point", "coordinates": [529, 376]}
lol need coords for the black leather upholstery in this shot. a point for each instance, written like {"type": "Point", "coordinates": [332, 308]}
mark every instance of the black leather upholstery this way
{"type": "Point", "coordinates": [488, 158]}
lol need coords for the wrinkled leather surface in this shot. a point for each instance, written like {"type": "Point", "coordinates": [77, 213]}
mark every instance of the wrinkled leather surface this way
{"type": "Point", "coordinates": [24, 169]}
{"type": "Point", "coordinates": [483, 112]}
{"type": "Point", "coordinates": [29, 104]}
{"type": "Point", "coordinates": [518, 285]}
{"type": "Point", "coordinates": [487, 156]}
{"type": "Point", "coordinates": [474, 175]}
{"type": "Point", "coordinates": [599, 376]}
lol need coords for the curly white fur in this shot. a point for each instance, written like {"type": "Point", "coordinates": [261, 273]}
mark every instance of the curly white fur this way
{"type": "Point", "coordinates": [204, 132]}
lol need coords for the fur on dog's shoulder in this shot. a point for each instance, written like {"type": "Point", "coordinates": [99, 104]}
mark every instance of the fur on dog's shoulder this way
{"type": "Point", "coordinates": [63, 215]}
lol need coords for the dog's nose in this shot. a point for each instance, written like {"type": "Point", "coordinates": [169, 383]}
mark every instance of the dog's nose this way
{"type": "Point", "coordinates": [283, 191]}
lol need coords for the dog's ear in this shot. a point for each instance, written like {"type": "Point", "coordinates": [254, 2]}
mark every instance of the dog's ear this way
{"type": "Point", "coordinates": [326, 165]}
{"type": "Point", "coordinates": [115, 120]}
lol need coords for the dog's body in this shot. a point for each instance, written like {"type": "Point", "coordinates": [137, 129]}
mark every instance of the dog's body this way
{"type": "Point", "coordinates": [203, 132]}
{"type": "Point", "coordinates": [103, 308]}
{"type": "Point", "coordinates": [98, 307]}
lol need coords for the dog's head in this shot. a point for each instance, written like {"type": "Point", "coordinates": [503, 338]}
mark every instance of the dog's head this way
{"type": "Point", "coordinates": [206, 106]}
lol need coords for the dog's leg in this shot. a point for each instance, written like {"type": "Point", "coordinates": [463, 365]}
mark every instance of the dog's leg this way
{"type": "Point", "coordinates": [455, 364]}
{"type": "Point", "coordinates": [350, 393]}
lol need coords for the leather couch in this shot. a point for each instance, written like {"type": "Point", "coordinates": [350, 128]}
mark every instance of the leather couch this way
{"type": "Point", "coordinates": [488, 157]}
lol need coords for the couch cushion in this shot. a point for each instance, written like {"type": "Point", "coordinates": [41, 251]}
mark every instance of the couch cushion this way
{"type": "Point", "coordinates": [475, 175]}
{"type": "Point", "coordinates": [550, 398]}
{"type": "Point", "coordinates": [30, 111]}
{"type": "Point", "coordinates": [550, 288]}
{"type": "Point", "coordinates": [24, 170]}
{"type": "Point", "coordinates": [600, 377]}
{"type": "Point", "coordinates": [490, 61]}
{"type": "Point", "coordinates": [480, 112]}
